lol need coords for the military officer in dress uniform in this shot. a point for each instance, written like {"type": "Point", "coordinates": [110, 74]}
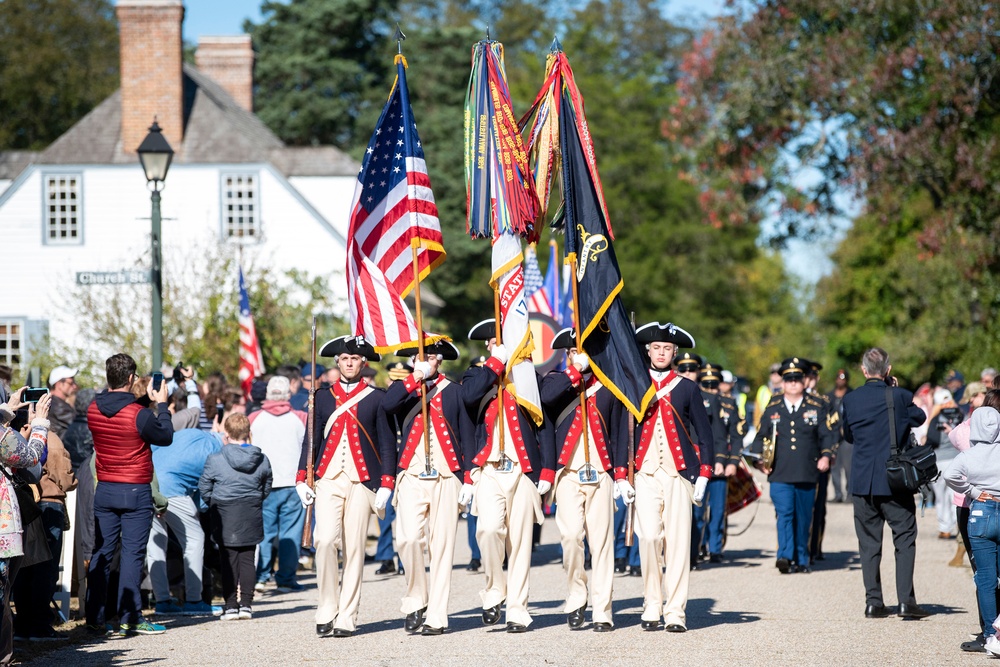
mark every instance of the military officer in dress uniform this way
{"type": "Point", "coordinates": [591, 472]}
{"type": "Point", "coordinates": [505, 482]}
{"type": "Point", "coordinates": [798, 425]}
{"type": "Point", "coordinates": [354, 451]}
{"type": "Point", "coordinates": [673, 461]}
{"type": "Point", "coordinates": [428, 484]}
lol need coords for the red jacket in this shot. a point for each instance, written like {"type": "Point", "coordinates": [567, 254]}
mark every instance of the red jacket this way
{"type": "Point", "coordinates": [123, 432]}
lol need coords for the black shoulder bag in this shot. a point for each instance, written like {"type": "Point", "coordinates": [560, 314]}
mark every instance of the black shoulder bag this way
{"type": "Point", "coordinates": [913, 466]}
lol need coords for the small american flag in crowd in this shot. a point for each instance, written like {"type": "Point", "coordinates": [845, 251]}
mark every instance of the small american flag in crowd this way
{"type": "Point", "coordinates": [393, 211]}
{"type": "Point", "coordinates": [534, 285]}
{"type": "Point", "coordinates": [251, 358]}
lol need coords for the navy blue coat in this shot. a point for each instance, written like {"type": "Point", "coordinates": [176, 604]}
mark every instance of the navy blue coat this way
{"type": "Point", "coordinates": [866, 424]}
{"type": "Point", "coordinates": [538, 441]}
{"type": "Point", "coordinates": [698, 451]}
{"type": "Point", "coordinates": [375, 433]}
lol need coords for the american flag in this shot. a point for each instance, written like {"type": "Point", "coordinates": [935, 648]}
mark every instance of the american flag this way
{"type": "Point", "coordinates": [251, 359]}
{"type": "Point", "coordinates": [534, 285]}
{"type": "Point", "coordinates": [393, 211]}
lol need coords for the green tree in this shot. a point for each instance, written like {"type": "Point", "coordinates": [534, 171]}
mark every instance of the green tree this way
{"type": "Point", "coordinates": [58, 59]}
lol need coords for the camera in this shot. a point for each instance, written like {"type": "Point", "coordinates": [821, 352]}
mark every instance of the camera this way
{"type": "Point", "coordinates": [949, 418]}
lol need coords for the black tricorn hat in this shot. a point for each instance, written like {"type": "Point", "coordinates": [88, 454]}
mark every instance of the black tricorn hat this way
{"type": "Point", "coordinates": [654, 332]}
{"type": "Point", "coordinates": [484, 330]}
{"type": "Point", "coordinates": [349, 345]}
{"type": "Point", "coordinates": [688, 358]}
{"type": "Point", "coordinates": [565, 339]}
{"type": "Point", "coordinates": [445, 348]}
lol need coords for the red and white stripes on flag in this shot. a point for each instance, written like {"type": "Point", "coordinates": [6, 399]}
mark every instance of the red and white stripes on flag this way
{"type": "Point", "coordinates": [393, 211]}
{"type": "Point", "coordinates": [534, 285]}
{"type": "Point", "coordinates": [251, 358]}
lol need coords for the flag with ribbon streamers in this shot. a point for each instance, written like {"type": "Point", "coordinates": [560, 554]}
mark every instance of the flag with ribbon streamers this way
{"type": "Point", "coordinates": [560, 143]}
{"type": "Point", "coordinates": [251, 357]}
{"type": "Point", "coordinates": [392, 213]}
{"type": "Point", "coordinates": [502, 206]}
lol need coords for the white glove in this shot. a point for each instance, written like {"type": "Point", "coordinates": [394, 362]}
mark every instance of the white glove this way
{"type": "Point", "coordinates": [624, 491]}
{"type": "Point", "coordinates": [699, 489]}
{"type": "Point", "coordinates": [382, 498]}
{"type": "Point", "coordinates": [544, 486]}
{"type": "Point", "coordinates": [581, 361]}
{"type": "Point", "coordinates": [465, 495]}
{"type": "Point", "coordinates": [306, 495]}
{"type": "Point", "coordinates": [422, 367]}
{"type": "Point", "coordinates": [500, 352]}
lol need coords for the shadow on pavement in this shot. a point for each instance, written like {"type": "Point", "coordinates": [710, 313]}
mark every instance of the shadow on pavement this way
{"type": "Point", "coordinates": [702, 614]}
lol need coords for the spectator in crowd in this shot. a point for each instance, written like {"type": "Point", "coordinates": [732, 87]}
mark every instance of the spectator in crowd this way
{"type": "Point", "coordinates": [62, 386]}
{"type": "Point", "coordinates": [213, 392]}
{"type": "Point", "coordinates": [77, 439]}
{"type": "Point", "coordinates": [840, 473]}
{"type": "Point", "coordinates": [975, 473]}
{"type": "Point", "coordinates": [6, 376]}
{"type": "Point", "coordinates": [332, 375]}
{"type": "Point", "coordinates": [955, 382]}
{"type": "Point", "coordinates": [278, 430]}
{"type": "Point", "coordinates": [123, 502]}
{"type": "Point", "coordinates": [234, 484]}
{"type": "Point", "coordinates": [36, 584]}
{"type": "Point", "coordinates": [178, 469]}
{"type": "Point", "coordinates": [945, 416]}
{"type": "Point", "coordinates": [299, 394]}
{"type": "Point", "coordinates": [987, 376]}
{"type": "Point", "coordinates": [923, 398]}
{"type": "Point", "coordinates": [300, 399]}
{"type": "Point", "coordinates": [15, 452]}
{"type": "Point", "coordinates": [765, 392]}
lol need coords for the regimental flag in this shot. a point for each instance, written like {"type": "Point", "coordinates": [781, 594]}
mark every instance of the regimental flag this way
{"type": "Point", "coordinates": [605, 331]}
{"type": "Point", "coordinates": [534, 285]}
{"type": "Point", "coordinates": [502, 205]}
{"type": "Point", "coordinates": [392, 213]}
{"type": "Point", "coordinates": [251, 358]}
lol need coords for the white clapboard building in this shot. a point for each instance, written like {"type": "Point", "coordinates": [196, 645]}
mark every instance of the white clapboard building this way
{"type": "Point", "coordinates": [78, 212]}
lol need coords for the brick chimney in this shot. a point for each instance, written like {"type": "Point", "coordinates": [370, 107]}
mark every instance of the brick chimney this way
{"type": "Point", "coordinates": [151, 48]}
{"type": "Point", "coordinates": [229, 62]}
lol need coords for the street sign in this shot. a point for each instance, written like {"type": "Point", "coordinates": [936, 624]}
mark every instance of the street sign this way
{"type": "Point", "coordinates": [123, 277]}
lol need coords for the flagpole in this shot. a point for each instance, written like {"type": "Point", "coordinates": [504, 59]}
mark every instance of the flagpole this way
{"type": "Point", "coordinates": [307, 536]}
{"type": "Point", "coordinates": [571, 260]}
{"type": "Point", "coordinates": [499, 336]}
{"type": "Point", "coordinates": [414, 245]}
{"type": "Point", "coordinates": [630, 509]}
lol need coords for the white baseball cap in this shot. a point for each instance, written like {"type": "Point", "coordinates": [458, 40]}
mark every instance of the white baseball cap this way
{"type": "Point", "coordinates": [727, 377]}
{"type": "Point", "coordinates": [61, 373]}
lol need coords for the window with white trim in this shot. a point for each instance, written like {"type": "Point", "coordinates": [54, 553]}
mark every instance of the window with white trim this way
{"type": "Point", "coordinates": [11, 335]}
{"type": "Point", "coordinates": [62, 209]}
{"type": "Point", "coordinates": [240, 209]}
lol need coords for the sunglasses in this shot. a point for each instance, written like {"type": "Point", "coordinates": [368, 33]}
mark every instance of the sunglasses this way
{"type": "Point", "coordinates": [794, 378]}
{"type": "Point", "coordinates": [688, 368]}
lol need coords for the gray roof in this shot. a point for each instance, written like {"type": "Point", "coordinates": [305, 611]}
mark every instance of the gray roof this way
{"type": "Point", "coordinates": [217, 130]}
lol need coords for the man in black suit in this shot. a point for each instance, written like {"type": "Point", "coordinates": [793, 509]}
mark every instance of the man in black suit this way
{"type": "Point", "coordinates": [866, 425]}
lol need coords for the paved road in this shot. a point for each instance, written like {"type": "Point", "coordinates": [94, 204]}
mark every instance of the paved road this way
{"type": "Point", "coordinates": [740, 612]}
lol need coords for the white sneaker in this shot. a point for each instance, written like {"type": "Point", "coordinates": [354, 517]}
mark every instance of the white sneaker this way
{"type": "Point", "coordinates": [230, 615]}
{"type": "Point", "coordinates": [245, 613]}
{"type": "Point", "coordinates": [993, 645]}
{"type": "Point", "coordinates": [259, 587]}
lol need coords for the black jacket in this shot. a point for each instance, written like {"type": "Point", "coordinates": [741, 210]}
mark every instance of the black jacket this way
{"type": "Point", "coordinates": [802, 438]}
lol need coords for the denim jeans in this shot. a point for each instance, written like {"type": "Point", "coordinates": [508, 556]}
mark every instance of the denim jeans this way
{"type": "Point", "coordinates": [471, 522]}
{"type": "Point", "coordinates": [284, 518]}
{"type": "Point", "coordinates": [710, 532]}
{"type": "Point", "coordinates": [182, 519]}
{"type": "Point", "coordinates": [984, 535]}
{"type": "Point", "coordinates": [793, 505]}
{"type": "Point", "coordinates": [384, 550]}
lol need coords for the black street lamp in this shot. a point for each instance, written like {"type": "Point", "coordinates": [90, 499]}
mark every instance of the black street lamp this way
{"type": "Point", "coordinates": [155, 155]}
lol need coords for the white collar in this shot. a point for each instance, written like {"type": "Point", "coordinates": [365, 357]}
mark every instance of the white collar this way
{"type": "Point", "coordinates": [792, 406]}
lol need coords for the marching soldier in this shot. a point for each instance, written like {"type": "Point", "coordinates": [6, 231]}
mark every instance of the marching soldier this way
{"type": "Point", "coordinates": [505, 484]}
{"type": "Point", "coordinates": [355, 453]}
{"type": "Point", "coordinates": [384, 552]}
{"type": "Point", "coordinates": [798, 426]}
{"type": "Point", "coordinates": [429, 483]}
{"type": "Point", "coordinates": [591, 472]}
{"type": "Point", "coordinates": [673, 461]}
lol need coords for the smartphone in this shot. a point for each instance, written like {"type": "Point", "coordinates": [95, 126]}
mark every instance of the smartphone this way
{"type": "Point", "coordinates": [219, 410]}
{"type": "Point", "coordinates": [32, 394]}
{"type": "Point", "coordinates": [157, 381]}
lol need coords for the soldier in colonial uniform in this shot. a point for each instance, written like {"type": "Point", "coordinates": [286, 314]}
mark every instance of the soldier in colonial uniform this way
{"type": "Point", "coordinates": [384, 552]}
{"type": "Point", "coordinates": [797, 424]}
{"type": "Point", "coordinates": [506, 481]}
{"type": "Point", "coordinates": [673, 460]}
{"type": "Point", "coordinates": [354, 448]}
{"type": "Point", "coordinates": [591, 471]}
{"type": "Point", "coordinates": [429, 483]}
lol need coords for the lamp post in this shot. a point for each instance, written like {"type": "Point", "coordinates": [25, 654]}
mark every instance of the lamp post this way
{"type": "Point", "coordinates": [155, 155]}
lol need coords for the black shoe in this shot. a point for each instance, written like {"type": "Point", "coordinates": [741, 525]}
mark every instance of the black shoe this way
{"type": "Point", "coordinates": [492, 615]}
{"type": "Point", "coordinates": [621, 565]}
{"type": "Point", "coordinates": [516, 628]}
{"type": "Point", "coordinates": [820, 556]}
{"type": "Point", "coordinates": [676, 627]}
{"type": "Point", "coordinates": [784, 565]}
{"type": "Point", "coordinates": [695, 565]}
{"type": "Point", "coordinates": [414, 620]}
{"type": "Point", "coordinates": [369, 559]}
{"type": "Point", "coordinates": [341, 632]}
{"type": "Point", "coordinates": [635, 571]}
{"type": "Point", "coordinates": [977, 645]}
{"type": "Point", "coordinates": [804, 570]}
{"type": "Point", "coordinates": [714, 558]}
{"type": "Point", "coordinates": [603, 627]}
{"type": "Point", "coordinates": [428, 631]}
{"type": "Point", "coordinates": [474, 565]}
{"type": "Point", "coordinates": [913, 611]}
{"type": "Point", "coordinates": [651, 625]}
{"type": "Point", "coordinates": [576, 617]}
{"type": "Point", "coordinates": [876, 611]}
{"type": "Point", "coordinates": [324, 629]}
{"type": "Point", "coordinates": [387, 567]}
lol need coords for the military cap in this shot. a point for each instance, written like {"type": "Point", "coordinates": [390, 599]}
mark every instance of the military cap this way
{"type": "Point", "coordinates": [654, 332]}
{"type": "Point", "coordinates": [349, 345]}
{"type": "Point", "coordinates": [794, 368]}
{"type": "Point", "coordinates": [687, 359]}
